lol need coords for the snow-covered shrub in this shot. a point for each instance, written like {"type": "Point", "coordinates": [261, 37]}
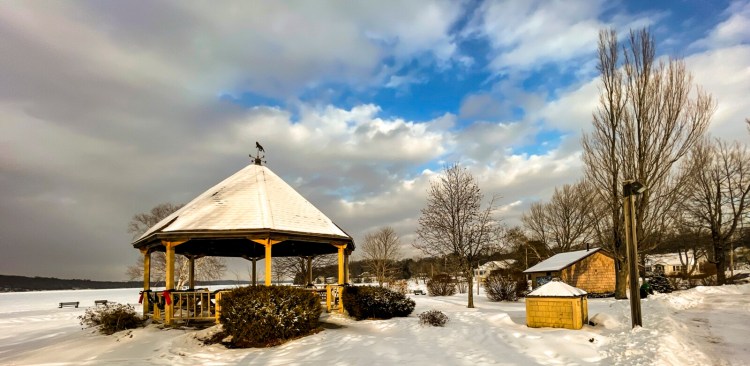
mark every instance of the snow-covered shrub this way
{"type": "Point", "coordinates": [262, 316]}
{"type": "Point", "coordinates": [441, 285]}
{"type": "Point", "coordinates": [400, 286]}
{"type": "Point", "coordinates": [365, 302]}
{"type": "Point", "coordinates": [435, 318]}
{"type": "Point", "coordinates": [500, 287]}
{"type": "Point", "coordinates": [111, 318]}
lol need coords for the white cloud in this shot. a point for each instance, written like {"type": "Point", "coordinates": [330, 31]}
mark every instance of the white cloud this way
{"type": "Point", "coordinates": [735, 30]}
{"type": "Point", "coordinates": [525, 34]}
{"type": "Point", "coordinates": [725, 73]}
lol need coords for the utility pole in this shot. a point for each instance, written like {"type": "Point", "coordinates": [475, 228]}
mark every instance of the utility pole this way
{"type": "Point", "coordinates": [630, 189]}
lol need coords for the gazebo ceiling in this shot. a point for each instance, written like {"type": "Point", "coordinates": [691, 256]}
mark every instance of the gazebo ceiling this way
{"type": "Point", "coordinates": [253, 204]}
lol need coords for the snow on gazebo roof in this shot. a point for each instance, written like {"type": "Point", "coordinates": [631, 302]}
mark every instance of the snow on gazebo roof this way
{"type": "Point", "coordinates": [557, 289]}
{"type": "Point", "coordinates": [254, 198]}
{"type": "Point", "coordinates": [560, 261]}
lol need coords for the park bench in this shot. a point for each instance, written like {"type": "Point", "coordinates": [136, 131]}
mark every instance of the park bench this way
{"type": "Point", "coordinates": [100, 302]}
{"type": "Point", "coordinates": [418, 292]}
{"type": "Point", "coordinates": [71, 303]}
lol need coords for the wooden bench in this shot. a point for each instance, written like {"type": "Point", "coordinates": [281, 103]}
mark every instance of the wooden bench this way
{"type": "Point", "coordinates": [418, 292]}
{"type": "Point", "coordinates": [71, 303]}
{"type": "Point", "coordinates": [100, 302]}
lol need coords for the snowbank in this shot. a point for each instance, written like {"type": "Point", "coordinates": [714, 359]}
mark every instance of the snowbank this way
{"type": "Point", "coordinates": [706, 325]}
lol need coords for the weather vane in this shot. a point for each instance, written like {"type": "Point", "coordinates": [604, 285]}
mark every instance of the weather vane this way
{"type": "Point", "coordinates": [259, 159]}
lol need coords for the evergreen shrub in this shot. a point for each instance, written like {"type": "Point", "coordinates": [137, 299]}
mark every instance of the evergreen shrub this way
{"type": "Point", "coordinates": [435, 318]}
{"type": "Point", "coordinates": [441, 285]}
{"type": "Point", "coordinates": [660, 284]}
{"type": "Point", "coordinates": [262, 316]}
{"type": "Point", "coordinates": [111, 318]}
{"type": "Point", "coordinates": [366, 302]}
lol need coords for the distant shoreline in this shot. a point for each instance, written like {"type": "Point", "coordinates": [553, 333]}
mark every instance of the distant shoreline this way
{"type": "Point", "coordinates": [10, 283]}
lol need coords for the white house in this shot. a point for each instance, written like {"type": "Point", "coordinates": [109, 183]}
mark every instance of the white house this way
{"type": "Point", "coordinates": [670, 263]}
{"type": "Point", "coordinates": [484, 270]}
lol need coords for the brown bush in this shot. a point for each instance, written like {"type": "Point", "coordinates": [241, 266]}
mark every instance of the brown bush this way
{"type": "Point", "coordinates": [441, 285]}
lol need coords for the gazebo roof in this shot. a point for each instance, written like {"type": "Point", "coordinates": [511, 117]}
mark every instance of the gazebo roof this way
{"type": "Point", "coordinates": [252, 203]}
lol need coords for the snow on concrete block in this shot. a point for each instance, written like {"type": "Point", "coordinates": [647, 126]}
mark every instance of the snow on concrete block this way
{"type": "Point", "coordinates": [557, 289]}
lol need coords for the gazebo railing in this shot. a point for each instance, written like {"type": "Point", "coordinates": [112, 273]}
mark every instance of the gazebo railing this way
{"type": "Point", "coordinates": [203, 305]}
{"type": "Point", "coordinates": [189, 305]}
{"type": "Point", "coordinates": [333, 298]}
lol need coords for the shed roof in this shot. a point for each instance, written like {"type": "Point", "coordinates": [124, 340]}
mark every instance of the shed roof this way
{"type": "Point", "coordinates": [252, 200]}
{"type": "Point", "coordinates": [561, 260]}
{"type": "Point", "coordinates": [557, 289]}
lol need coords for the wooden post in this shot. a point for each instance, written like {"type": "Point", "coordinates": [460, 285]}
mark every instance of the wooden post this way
{"type": "Point", "coordinates": [146, 279]}
{"type": "Point", "coordinates": [255, 279]}
{"type": "Point", "coordinates": [346, 267]}
{"type": "Point", "coordinates": [341, 264]}
{"type": "Point", "coordinates": [217, 307]}
{"type": "Point", "coordinates": [268, 262]}
{"type": "Point", "coordinates": [191, 274]}
{"type": "Point", "coordinates": [169, 281]}
{"type": "Point", "coordinates": [631, 244]}
{"type": "Point", "coordinates": [309, 271]}
{"type": "Point", "coordinates": [267, 243]}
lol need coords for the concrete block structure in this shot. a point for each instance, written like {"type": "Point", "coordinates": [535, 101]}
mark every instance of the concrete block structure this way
{"type": "Point", "coordinates": [557, 305]}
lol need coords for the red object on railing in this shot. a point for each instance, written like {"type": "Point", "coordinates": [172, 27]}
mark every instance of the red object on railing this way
{"type": "Point", "coordinates": [140, 299]}
{"type": "Point", "coordinates": [167, 296]}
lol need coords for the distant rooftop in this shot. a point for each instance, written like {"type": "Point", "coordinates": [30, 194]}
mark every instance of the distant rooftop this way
{"type": "Point", "coordinates": [560, 261]}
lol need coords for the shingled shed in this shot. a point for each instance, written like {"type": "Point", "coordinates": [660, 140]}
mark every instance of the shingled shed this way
{"type": "Point", "coordinates": [557, 305]}
{"type": "Point", "coordinates": [592, 270]}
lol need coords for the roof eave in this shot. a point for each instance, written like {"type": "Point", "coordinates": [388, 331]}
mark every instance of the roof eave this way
{"type": "Point", "coordinates": [241, 233]}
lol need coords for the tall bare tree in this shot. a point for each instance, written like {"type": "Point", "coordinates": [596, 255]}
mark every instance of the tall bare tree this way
{"type": "Point", "coordinates": [381, 250]}
{"type": "Point", "coordinates": [454, 224]}
{"type": "Point", "coordinates": [648, 118]}
{"type": "Point", "coordinates": [563, 223]}
{"type": "Point", "coordinates": [718, 194]}
{"type": "Point", "coordinates": [206, 268]}
{"type": "Point", "coordinates": [302, 269]}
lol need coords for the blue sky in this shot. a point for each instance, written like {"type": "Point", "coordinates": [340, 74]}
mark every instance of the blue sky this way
{"type": "Point", "coordinates": [110, 108]}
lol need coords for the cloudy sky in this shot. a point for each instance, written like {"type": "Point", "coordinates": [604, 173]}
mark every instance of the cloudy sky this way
{"type": "Point", "coordinates": [110, 108]}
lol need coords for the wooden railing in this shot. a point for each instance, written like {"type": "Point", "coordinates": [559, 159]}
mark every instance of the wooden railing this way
{"type": "Point", "coordinates": [189, 305]}
{"type": "Point", "coordinates": [203, 305]}
{"type": "Point", "coordinates": [333, 298]}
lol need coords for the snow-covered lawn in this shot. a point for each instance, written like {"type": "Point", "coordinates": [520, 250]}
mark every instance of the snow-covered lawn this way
{"type": "Point", "coordinates": [701, 326]}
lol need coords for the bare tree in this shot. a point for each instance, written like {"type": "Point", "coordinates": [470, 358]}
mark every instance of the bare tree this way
{"type": "Point", "coordinates": [689, 241]}
{"type": "Point", "coordinates": [454, 223]}
{"type": "Point", "coordinates": [381, 250]}
{"type": "Point", "coordinates": [302, 269]}
{"type": "Point", "coordinates": [718, 194]}
{"type": "Point", "coordinates": [206, 268]}
{"type": "Point", "coordinates": [140, 223]}
{"type": "Point", "coordinates": [646, 121]}
{"type": "Point", "coordinates": [563, 223]}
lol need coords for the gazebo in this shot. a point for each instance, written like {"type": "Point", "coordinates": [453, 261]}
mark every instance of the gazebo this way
{"type": "Point", "coordinates": [252, 214]}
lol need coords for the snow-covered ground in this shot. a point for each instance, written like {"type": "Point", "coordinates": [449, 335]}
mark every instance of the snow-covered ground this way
{"type": "Point", "coordinates": [701, 326]}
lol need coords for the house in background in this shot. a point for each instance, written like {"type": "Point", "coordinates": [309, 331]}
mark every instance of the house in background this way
{"type": "Point", "coordinates": [592, 270]}
{"type": "Point", "coordinates": [671, 264]}
{"type": "Point", "coordinates": [484, 270]}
